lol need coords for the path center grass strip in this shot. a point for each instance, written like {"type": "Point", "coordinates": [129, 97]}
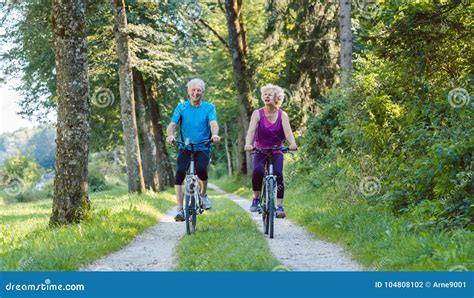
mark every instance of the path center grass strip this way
{"type": "Point", "coordinates": [28, 244]}
{"type": "Point", "coordinates": [226, 239]}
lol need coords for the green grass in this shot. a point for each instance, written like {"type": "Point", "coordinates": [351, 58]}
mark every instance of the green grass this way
{"type": "Point", "coordinates": [374, 236]}
{"type": "Point", "coordinates": [27, 243]}
{"type": "Point", "coordinates": [227, 239]}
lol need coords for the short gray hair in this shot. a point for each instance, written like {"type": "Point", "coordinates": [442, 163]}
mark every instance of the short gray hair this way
{"type": "Point", "coordinates": [198, 82]}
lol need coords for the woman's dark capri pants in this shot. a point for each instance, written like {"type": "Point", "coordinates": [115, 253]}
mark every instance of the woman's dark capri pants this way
{"type": "Point", "coordinates": [184, 159]}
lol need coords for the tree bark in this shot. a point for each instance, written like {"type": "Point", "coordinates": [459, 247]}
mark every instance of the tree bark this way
{"type": "Point", "coordinates": [148, 147]}
{"type": "Point", "coordinates": [346, 41]}
{"type": "Point", "coordinates": [238, 54]}
{"type": "Point", "coordinates": [127, 101]}
{"type": "Point", "coordinates": [165, 169]}
{"type": "Point", "coordinates": [71, 199]}
{"type": "Point", "coordinates": [228, 151]}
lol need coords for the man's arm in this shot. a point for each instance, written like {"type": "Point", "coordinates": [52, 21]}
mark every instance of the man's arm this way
{"type": "Point", "coordinates": [170, 133]}
{"type": "Point", "coordinates": [214, 131]}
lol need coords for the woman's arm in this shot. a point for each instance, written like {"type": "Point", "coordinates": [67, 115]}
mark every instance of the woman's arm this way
{"type": "Point", "coordinates": [251, 132]}
{"type": "Point", "coordinates": [288, 132]}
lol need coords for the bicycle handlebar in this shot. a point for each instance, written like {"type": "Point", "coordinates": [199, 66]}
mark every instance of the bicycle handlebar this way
{"type": "Point", "coordinates": [282, 149]}
{"type": "Point", "coordinates": [206, 142]}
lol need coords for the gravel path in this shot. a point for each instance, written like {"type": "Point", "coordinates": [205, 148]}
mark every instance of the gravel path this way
{"type": "Point", "coordinates": [153, 250]}
{"type": "Point", "coordinates": [296, 249]}
{"type": "Point", "coordinates": [293, 246]}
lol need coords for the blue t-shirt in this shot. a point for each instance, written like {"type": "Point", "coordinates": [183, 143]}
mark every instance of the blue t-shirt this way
{"type": "Point", "coordinates": [195, 121]}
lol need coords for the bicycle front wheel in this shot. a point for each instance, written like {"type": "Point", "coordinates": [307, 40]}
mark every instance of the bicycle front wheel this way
{"type": "Point", "coordinates": [187, 213]}
{"type": "Point", "coordinates": [193, 214]}
{"type": "Point", "coordinates": [271, 213]}
{"type": "Point", "coordinates": [264, 209]}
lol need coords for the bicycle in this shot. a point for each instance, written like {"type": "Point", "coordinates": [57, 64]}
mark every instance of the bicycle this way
{"type": "Point", "coordinates": [269, 191]}
{"type": "Point", "coordinates": [192, 198]}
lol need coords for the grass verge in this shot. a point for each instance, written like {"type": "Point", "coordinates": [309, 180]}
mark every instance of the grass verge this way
{"type": "Point", "coordinates": [227, 239]}
{"type": "Point", "coordinates": [27, 243]}
{"type": "Point", "coordinates": [374, 236]}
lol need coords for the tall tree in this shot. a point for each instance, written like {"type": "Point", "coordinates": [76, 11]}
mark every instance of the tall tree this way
{"type": "Point", "coordinates": [165, 170]}
{"type": "Point", "coordinates": [345, 40]}
{"type": "Point", "coordinates": [127, 101]}
{"type": "Point", "coordinates": [71, 199]}
{"type": "Point", "coordinates": [242, 77]}
{"type": "Point", "coordinates": [148, 147]}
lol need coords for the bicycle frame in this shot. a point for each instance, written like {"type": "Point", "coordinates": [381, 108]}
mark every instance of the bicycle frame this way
{"type": "Point", "coordinates": [193, 200]}
{"type": "Point", "coordinates": [269, 191]}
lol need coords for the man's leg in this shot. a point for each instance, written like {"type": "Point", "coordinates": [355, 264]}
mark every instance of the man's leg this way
{"type": "Point", "coordinates": [179, 196]}
{"type": "Point", "coordinates": [202, 163]}
{"type": "Point", "coordinates": [203, 187]}
{"type": "Point", "coordinates": [182, 163]}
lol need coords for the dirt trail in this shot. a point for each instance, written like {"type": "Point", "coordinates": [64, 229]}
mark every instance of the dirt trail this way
{"type": "Point", "coordinates": [296, 249]}
{"type": "Point", "coordinates": [153, 250]}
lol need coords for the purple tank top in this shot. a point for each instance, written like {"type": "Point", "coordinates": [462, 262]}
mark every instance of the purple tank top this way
{"type": "Point", "coordinates": [269, 134]}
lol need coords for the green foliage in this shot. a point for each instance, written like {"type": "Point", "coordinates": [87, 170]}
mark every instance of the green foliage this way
{"type": "Point", "coordinates": [28, 243]}
{"type": "Point", "coordinates": [105, 172]}
{"type": "Point", "coordinates": [43, 147]}
{"type": "Point", "coordinates": [377, 238]}
{"type": "Point", "coordinates": [22, 167]}
{"type": "Point", "coordinates": [400, 123]}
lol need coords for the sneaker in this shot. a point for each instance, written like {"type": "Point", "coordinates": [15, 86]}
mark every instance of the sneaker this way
{"type": "Point", "coordinates": [206, 204]}
{"type": "Point", "coordinates": [179, 216]}
{"type": "Point", "coordinates": [254, 206]}
{"type": "Point", "coordinates": [280, 212]}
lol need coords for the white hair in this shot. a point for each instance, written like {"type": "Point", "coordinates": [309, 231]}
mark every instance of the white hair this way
{"type": "Point", "coordinates": [278, 93]}
{"type": "Point", "coordinates": [198, 82]}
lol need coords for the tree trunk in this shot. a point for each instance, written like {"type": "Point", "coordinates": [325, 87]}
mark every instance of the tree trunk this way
{"type": "Point", "coordinates": [148, 149]}
{"type": "Point", "coordinates": [71, 199]}
{"type": "Point", "coordinates": [238, 54]}
{"type": "Point", "coordinates": [346, 41]}
{"type": "Point", "coordinates": [127, 102]}
{"type": "Point", "coordinates": [165, 169]}
{"type": "Point", "coordinates": [228, 151]}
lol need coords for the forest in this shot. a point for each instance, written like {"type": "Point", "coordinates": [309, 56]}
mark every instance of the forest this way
{"type": "Point", "coordinates": [377, 92]}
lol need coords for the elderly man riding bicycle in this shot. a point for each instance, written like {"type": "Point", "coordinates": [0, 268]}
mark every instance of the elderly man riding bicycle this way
{"type": "Point", "coordinates": [198, 122]}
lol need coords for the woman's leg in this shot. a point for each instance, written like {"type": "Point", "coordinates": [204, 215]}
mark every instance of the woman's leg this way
{"type": "Point", "coordinates": [278, 171]}
{"type": "Point", "coordinates": [259, 160]}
